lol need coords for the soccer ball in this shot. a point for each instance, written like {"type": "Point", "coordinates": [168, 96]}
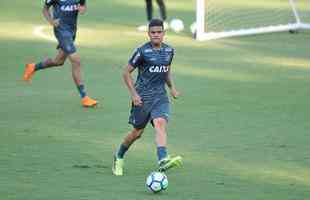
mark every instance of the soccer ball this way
{"type": "Point", "coordinates": [157, 182]}
{"type": "Point", "coordinates": [177, 25]}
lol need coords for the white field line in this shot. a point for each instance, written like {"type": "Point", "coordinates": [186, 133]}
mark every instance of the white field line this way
{"type": "Point", "coordinates": [39, 32]}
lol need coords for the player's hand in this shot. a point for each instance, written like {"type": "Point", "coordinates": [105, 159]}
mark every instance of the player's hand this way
{"type": "Point", "coordinates": [137, 101]}
{"type": "Point", "coordinates": [82, 9]}
{"type": "Point", "coordinates": [174, 93]}
{"type": "Point", "coordinates": [55, 22]}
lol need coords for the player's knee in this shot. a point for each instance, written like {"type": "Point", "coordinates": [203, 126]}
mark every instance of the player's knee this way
{"type": "Point", "coordinates": [76, 62]}
{"type": "Point", "coordinates": [160, 122]}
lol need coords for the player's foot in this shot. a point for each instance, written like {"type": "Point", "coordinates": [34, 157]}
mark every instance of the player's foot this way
{"type": "Point", "coordinates": [168, 163]}
{"type": "Point", "coordinates": [117, 167]}
{"type": "Point", "coordinates": [29, 71]}
{"type": "Point", "coordinates": [88, 102]}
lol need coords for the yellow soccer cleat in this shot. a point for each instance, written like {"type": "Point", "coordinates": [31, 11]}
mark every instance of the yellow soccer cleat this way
{"type": "Point", "coordinates": [29, 72]}
{"type": "Point", "coordinates": [89, 102]}
{"type": "Point", "coordinates": [117, 168]}
{"type": "Point", "coordinates": [168, 163]}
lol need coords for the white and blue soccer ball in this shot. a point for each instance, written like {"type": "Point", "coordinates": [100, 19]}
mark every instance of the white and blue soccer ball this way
{"type": "Point", "coordinates": [177, 25]}
{"type": "Point", "coordinates": [157, 182]}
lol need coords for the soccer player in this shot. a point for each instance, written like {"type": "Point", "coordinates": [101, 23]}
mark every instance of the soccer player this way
{"type": "Point", "coordinates": [150, 102]}
{"type": "Point", "coordinates": [64, 21]}
{"type": "Point", "coordinates": [149, 13]}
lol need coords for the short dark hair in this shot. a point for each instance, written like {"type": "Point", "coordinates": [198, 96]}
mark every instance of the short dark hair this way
{"type": "Point", "coordinates": [156, 22]}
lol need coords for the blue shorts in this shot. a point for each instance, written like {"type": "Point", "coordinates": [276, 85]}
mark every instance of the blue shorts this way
{"type": "Point", "coordinates": [141, 115]}
{"type": "Point", "coordinates": [65, 40]}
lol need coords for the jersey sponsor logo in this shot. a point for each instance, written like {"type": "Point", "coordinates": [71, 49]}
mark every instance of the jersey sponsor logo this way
{"type": "Point", "coordinates": [148, 50]}
{"type": "Point", "coordinates": [159, 69]}
{"type": "Point", "coordinates": [168, 49]}
{"type": "Point", "coordinates": [69, 8]}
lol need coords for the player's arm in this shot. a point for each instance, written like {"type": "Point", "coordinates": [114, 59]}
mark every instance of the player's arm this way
{"type": "Point", "coordinates": [169, 81]}
{"type": "Point", "coordinates": [134, 62]}
{"type": "Point", "coordinates": [136, 99]}
{"type": "Point", "coordinates": [47, 14]}
{"type": "Point", "coordinates": [82, 7]}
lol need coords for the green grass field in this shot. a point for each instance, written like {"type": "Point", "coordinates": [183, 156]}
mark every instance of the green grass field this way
{"type": "Point", "coordinates": [242, 123]}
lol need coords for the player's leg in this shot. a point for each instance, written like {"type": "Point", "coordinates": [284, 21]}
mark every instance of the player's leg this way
{"type": "Point", "coordinates": [149, 9]}
{"type": "Point", "coordinates": [162, 9]}
{"type": "Point", "coordinates": [59, 60]}
{"type": "Point", "coordinates": [160, 137]}
{"type": "Point", "coordinates": [31, 68]}
{"type": "Point", "coordinates": [160, 116]}
{"type": "Point", "coordinates": [163, 12]}
{"type": "Point", "coordinates": [149, 15]}
{"type": "Point", "coordinates": [66, 43]}
{"type": "Point", "coordinates": [130, 138]}
{"type": "Point", "coordinates": [77, 77]}
{"type": "Point", "coordinates": [139, 117]}
{"type": "Point", "coordinates": [118, 161]}
{"type": "Point", "coordinates": [164, 160]}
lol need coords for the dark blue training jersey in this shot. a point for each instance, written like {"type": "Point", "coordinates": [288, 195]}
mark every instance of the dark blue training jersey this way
{"type": "Point", "coordinates": [66, 11]}
{"type": "Point", "coordinates": [153, 65]}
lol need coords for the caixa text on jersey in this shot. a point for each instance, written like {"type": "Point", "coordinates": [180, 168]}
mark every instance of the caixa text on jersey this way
{"type": "Point", "coordinates": [156, 69]}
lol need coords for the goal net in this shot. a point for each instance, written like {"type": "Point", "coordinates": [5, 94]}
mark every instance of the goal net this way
{"type": "Point", "coordinates": [227, 18]}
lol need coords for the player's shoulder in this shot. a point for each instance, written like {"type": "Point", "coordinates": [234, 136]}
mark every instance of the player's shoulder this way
{"type": "Point", "coordinates": [51, 1]}
{"type": "Point", "coordinates": [145, 48]}
{"type": "Point", "coordinates": [167, 47]}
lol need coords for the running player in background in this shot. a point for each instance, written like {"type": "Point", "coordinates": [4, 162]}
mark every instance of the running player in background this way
{"type": "Point", "coordinates": [149, 13]}
{"type": "Point", "coordinates": [150, 101]}
{"type": "Point", "coordinates": [64, 22]}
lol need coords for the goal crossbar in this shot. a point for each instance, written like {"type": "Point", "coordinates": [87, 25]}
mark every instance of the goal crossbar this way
{"type": "Point", "coordinates": [202, 35]}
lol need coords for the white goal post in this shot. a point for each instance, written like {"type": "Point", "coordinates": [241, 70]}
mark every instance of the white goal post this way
{"type": "Point", "coordinates": [222, 18]}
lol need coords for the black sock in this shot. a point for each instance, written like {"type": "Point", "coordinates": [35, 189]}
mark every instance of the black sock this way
{"type": "Point", "coordinates": [149, 9]}
{"type": "Point", "coordinates": [81, 90]}
{"type": "Point", "coordinates": [39, 66]}
{"type": "Point", "coordinates": [121, 151]}
{"type": "Point", "coordinates": [162, 9]}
